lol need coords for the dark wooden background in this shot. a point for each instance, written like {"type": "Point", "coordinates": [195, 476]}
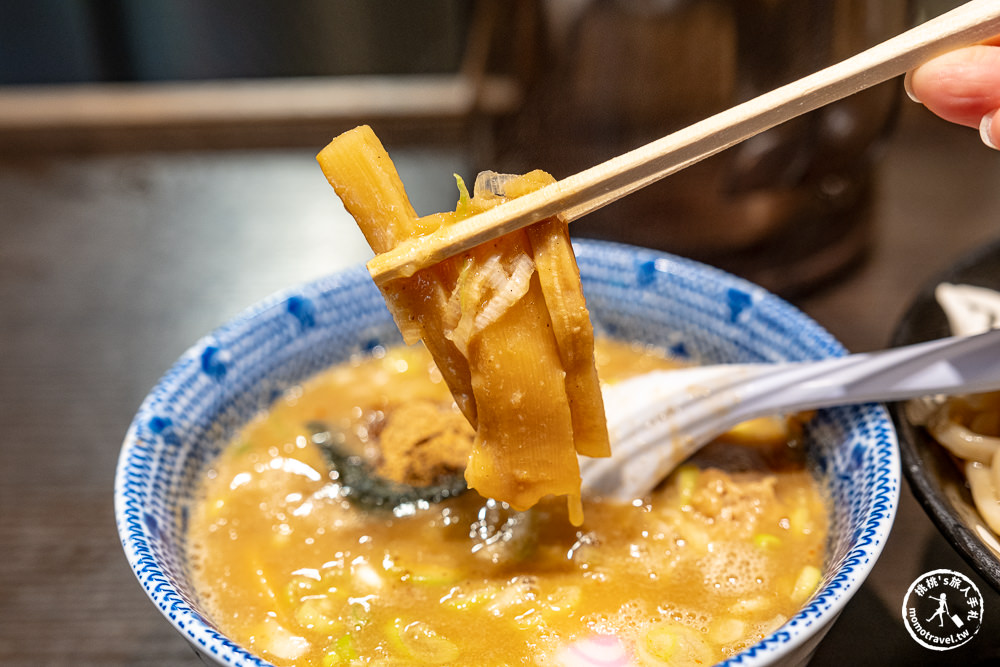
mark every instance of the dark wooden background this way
{"type": "Point", "coordinates": [111, 264]}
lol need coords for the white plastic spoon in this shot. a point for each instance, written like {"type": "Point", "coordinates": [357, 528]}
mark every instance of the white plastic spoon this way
{"type": "Point", "coordinates": [659, 419]}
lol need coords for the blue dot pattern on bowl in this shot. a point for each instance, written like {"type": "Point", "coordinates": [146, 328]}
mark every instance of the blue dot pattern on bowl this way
{"type": "Point", "coordinates": [696, 311]}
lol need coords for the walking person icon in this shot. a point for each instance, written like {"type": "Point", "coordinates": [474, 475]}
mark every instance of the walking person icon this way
{"type": "Point", "coordinates": [942, 609]}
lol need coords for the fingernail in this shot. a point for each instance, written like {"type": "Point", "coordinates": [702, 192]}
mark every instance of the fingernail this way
{"type": "Point", "coordinates": [984, 129]}
{"type": "Point", "coordinates": [908, 87]}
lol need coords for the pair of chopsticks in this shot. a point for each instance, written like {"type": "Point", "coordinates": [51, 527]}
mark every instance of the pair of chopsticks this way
{"type": "Point", "coordinates": [589, 190]}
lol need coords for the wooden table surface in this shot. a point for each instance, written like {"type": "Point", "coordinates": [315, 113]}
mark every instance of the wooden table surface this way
{"type": "Point", "coordinates": [112, 264]}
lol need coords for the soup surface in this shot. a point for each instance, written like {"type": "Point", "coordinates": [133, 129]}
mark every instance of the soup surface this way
{"type": "Point", "coordinates": [721, 554]}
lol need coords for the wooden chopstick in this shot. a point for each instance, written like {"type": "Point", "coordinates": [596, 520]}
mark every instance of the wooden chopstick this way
{"type": "Point", "coordinates": [588, 190]}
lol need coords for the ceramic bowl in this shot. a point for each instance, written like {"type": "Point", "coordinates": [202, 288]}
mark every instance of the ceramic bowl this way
{"type": "Point", "coordinates": [935, 480]}
{"type": "Point", "coordinates": [695, 311]}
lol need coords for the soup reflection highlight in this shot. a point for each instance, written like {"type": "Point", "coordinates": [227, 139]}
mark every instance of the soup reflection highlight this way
{"type": "Point", "coordinates": [720, 555]}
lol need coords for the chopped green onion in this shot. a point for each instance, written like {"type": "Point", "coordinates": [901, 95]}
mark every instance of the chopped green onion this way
{"type": "Point", "coordinates": [458, 599]}
{"type": "Point", "coordinates": [317, 613]}
{"type": "Point", "coordinates": [806, 583]}
{"type": "Point", "coordinates": [687, 481]}
{"type": "Point", "coordinates": [728, 630]}
{"type": "Point", "coordinates": [563, 599]}
{"type": "Point", "coordinates": [674, 644]}
{"type": "Point", "coordinates": [342, 652]}
{"type": "Point", "coordinates": [766, 541]}
{"type": "Point", "coordinates": [464, 200]}
{"type": "Point", "coordinates": [662, 643]}
{"type": "Point", "coordinates": [431, 575]}
{"type": "Point", "coordinates": [799, 520]}
{"type": "Point", "coordinates": [418, 641]}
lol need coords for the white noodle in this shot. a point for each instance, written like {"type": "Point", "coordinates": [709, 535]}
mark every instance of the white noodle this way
{"type": "Point", "coordinates": [995, 470]}
{"type": "Point", "coordinates": [960, 440]}
{"type": "Point", "coordinates": [983, 493]}
{"type": "Point", "coordinates": [970, 310]}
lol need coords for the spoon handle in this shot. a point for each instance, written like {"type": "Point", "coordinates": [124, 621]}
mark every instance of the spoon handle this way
{"type": "Point", "coordinates": [958, 364]}
{"type": "Point", "coordinates": [659, 419]}
{"type": "Point", "coordinates": [602, 184]}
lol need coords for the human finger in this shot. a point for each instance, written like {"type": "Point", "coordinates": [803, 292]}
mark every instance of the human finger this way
{"type": "Point", "coordinates": [962, 86]}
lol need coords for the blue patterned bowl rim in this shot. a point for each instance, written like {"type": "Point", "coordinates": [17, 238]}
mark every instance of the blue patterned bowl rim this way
{"type": "Point", "coordinates": [697, 311]}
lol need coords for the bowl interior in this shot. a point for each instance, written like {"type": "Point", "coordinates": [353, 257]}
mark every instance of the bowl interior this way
{"type": "Point", "coordinates": [696, 312]}
{"type": "Point", "coordinates": [935, 479]}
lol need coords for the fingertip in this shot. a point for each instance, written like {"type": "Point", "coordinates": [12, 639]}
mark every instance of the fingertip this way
{"type": "Point", "coordinates": [960, 86]}
{"type": "Point", "coordinates": [908, 86]}
{"type": "Point", "coordinates": [986, 130]}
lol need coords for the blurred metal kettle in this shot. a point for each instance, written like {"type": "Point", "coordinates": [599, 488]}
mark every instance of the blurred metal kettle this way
{"type": "Point", "coordinates": [789, 208]}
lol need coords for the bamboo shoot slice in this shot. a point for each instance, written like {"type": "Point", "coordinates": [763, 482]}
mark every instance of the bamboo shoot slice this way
{"type": "Point", "coordinates": [524, 446]}
{"type": "Point", "coordinates": [523, 368]}
{"type": "Point", "coordinates": [574, 334]}
{"type": "Point", "coordinates": [364, 177]}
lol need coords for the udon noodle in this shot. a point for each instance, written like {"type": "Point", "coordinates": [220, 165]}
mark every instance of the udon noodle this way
{"type": "Point", "coordinates": [968, 426]}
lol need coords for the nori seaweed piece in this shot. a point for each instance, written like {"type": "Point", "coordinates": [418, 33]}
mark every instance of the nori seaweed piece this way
{"type": "Point", "coordinates": [362, 486]}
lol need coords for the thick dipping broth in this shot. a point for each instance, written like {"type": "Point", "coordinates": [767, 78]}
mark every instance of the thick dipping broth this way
{"type": "Point", "coordinates": [719, 556]}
